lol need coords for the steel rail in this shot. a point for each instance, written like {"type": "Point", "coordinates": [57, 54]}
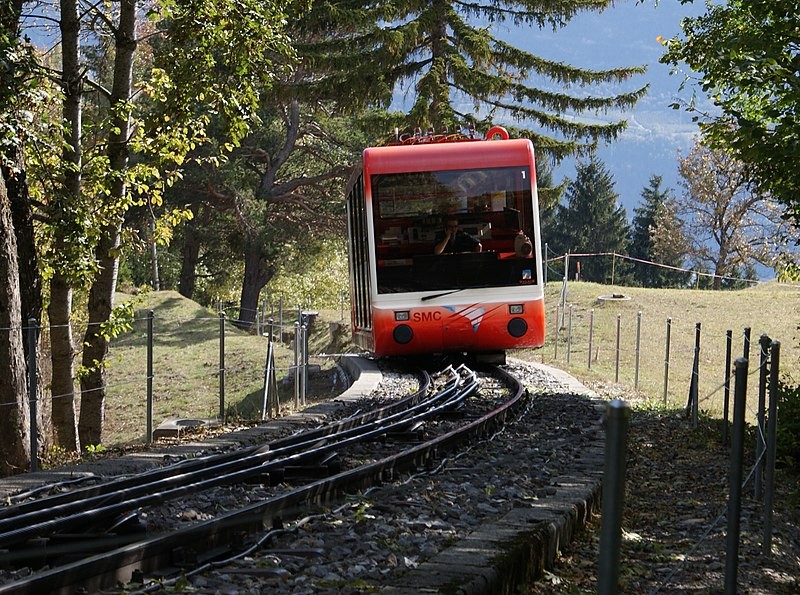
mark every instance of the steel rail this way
{"type": "Point", "coordinates": [215, 535]}
{"type": "Point", "coordinates": [89, 511]}
{"type": "Point", "coordinates": [204, 462]}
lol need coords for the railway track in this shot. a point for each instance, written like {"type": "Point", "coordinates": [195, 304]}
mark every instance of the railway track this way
{"type": "Point", "coordinates": [93, 538]}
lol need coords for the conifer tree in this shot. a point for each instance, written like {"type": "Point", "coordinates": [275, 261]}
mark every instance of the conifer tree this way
{"type": "Point", "coordinates": [449, 62]}
{"type": "Point", "coordinates": [655, 220]}
{"type": "Point", "coordinates": [592, 222]}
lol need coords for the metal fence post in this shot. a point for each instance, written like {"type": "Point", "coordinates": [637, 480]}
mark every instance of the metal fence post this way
{"type": "Point", "coordinates": [692, 404]}
{"type": "Point", "coordinates": [564, 289]}
{"type": "Point", "coordinates": [149, 420]}
{"type": "Point", "coordinates": [304, 333]}
{"type": "Point", "coordinates": [280, 319]}
{"type": "Point", "coordinates": [735, 477]}
{"type": "Point", "coordinates": [591, 332]}
{"type": "Point", "coordinates": [32, 388]}
{"type": "Point", "coordinates": [666, 359]}
{"type": "Point", "coordinates": [772, 429]}
{"type": "Point", "coordinates": [638, 348]}
{"type": "Point", "coordinates": [296, 365]}
{"type": "Point", "coordinates": [555, 341]}
{"type": "Point", "coordinates": [569, 335]}
{"type": "Point", "coordinates": [613, 266]}
{"type": "Point", "coordinates": [544, 264]}
{"type": "Point", "coordinates": [271, 306]}
{"type": "Point", "coordinates": [269, 373]}
{"type": "Point", "coordinates": [618, 414]}
{"type": "Point", "coordinates": [222, 366]}
{"type": "Point", "coordinates": [746, 350]}
{"type": "Point", "coordinates": [763, 373]}
{"type": "Point", "coordinates": [727, 391]}
{"type": "Point", "coordinates": [616, 372]}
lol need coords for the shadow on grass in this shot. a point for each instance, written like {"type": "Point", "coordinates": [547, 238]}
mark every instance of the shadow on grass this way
{"type": "Point", "coordinates": [322, 387]}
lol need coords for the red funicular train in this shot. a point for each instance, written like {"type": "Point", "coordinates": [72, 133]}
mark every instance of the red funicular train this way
{"type": "Point", "coordinates": [407, 299]}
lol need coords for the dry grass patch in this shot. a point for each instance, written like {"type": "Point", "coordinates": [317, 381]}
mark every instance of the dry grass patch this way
{"type": "Point", "coordinates": [770, 308]}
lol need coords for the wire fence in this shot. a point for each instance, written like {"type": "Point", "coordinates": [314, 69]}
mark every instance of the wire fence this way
{"type": "Point", "coordinates": [761, 475]}
{"type": "Point", "coordinates": [683, 276]}
{"type": "Point", "coordinates": [662, 358]}
{"type": "Point", "coordinates": [197, 360]}
{"type": "Point", "coordinates": [197, 368]}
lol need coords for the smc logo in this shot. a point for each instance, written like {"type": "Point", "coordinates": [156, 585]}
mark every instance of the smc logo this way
{"type": "Point", "coordinates": [426, 316]}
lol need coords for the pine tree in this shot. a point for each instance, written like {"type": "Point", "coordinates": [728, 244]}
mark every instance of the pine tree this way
{"type": "Point", "coordinates": [444, 56]}
{"type": "Point", "coordinates": [592, 222]}
{"type": "Point", "coordinates": [657, 236]}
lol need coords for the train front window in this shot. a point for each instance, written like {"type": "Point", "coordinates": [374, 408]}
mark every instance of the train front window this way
{"type": "Point", "coordinates": [494, 205]}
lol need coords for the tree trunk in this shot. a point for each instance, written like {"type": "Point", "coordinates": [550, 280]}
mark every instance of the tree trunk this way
{"type": "Point", "coordinates": [29, 282]}
{"type": "Point", "coordinates": [191, 252]}
{"type": "Point", "coordinates": [154, 252]}
{"type": "Point", "coordinates": [30, 285]}
{"type": "Point", "coordinates": [101, 294]}
{"type": "Point", "coordinates": [60, 309]}
{"type": "Point", "coordinates": [257, 273]}
{"type": "Point", "coordinates": [62, 354]}
{"type": "Point", "coordinates": [721, 266]}
{"type": "Point", "coordinates": [15, 417]}
{"type": "Point", "coordinates": [95, 350]}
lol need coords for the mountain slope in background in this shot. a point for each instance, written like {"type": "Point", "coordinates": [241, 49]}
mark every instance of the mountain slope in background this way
{"type": "Point", "coordinates": [627, 35]}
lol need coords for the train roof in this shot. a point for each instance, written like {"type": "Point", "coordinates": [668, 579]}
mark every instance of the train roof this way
{"type": "Point", "coordinates": [442, 156]}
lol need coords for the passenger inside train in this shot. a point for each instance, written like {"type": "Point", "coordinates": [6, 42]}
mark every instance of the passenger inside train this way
{"type": "Point", "coordinates": [453, 239]}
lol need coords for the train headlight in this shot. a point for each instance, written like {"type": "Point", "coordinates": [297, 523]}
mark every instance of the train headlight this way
{"type": "Point", "coordinates": [402, 316]}
{"type": "Point", "coordinates": [516, 309]}
{"type": "Point", "coordinates": [517, 327]}
{"type": "Point", "coordinates": [402, 334]}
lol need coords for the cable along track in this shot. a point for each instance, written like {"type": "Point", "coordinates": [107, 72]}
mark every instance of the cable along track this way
{"type": "Point", "coordinates": [27, 529]}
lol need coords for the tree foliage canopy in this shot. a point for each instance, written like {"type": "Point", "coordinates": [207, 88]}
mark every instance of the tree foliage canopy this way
{"type": "Point", "coordinates": [730, 224]}
{"type": "Point", "coordinates": [747, 54]}
{"type": "Point", "coordinates": [217, 58]}
{"type": "Point", "coordinates": [457, 72]}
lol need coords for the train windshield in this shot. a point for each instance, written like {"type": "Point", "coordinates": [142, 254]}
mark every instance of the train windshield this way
{"type": "Point", "coordinates": [489, 215]}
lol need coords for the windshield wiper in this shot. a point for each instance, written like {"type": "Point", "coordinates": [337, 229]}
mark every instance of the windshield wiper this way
{"type": "Point", "coordinates": [437, 295]}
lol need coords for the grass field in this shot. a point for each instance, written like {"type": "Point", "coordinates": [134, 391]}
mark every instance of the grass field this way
{"type": "Point", "coordinates": [186, 367]}
{"type": "Point", "coordinates": [186, 353]}
{"type": "Point", "coordinates": [770, 309]}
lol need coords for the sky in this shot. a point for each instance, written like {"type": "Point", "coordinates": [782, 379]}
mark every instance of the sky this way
{"type": "Point", "coordinates": [626, 35]}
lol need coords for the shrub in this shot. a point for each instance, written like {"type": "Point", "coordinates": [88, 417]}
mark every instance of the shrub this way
{"type": "Point", "coordinates": [788, 435]}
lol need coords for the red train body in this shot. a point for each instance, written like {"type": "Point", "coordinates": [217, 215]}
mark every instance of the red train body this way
{"type": "Point", "coordinates": [406, 300]}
